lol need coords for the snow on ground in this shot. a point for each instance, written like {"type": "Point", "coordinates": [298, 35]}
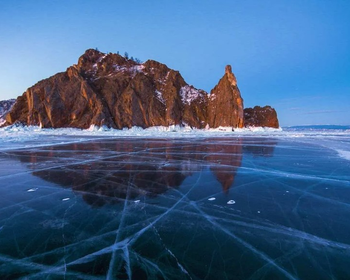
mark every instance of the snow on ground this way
{"type": "Point", "coordinates": [155, 131]}
{"type": "Point", "coordinates": [170, 131]}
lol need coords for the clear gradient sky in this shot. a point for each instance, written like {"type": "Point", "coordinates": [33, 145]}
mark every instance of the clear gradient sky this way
{"type": "Point", "coordinates": [292, 55]}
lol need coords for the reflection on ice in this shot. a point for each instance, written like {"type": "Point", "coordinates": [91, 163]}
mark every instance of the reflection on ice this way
{"type": "Point", "coordinates": [100, 171]}
{"type": "Point", "coordinates": [230, 208]}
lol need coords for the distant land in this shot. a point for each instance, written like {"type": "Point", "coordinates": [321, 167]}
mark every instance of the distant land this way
{"type": "Point", "coordinates": [320, 126]}
{"type": "Point", "coordinates": [115, 91]}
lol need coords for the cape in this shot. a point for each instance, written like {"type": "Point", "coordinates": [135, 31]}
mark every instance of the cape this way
{"type": "Point", "coordinates": [114, 91]}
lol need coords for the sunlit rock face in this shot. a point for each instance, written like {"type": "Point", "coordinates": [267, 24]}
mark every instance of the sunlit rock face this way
{"type": "Point", "coordinates": [226, 103]}
{"type": "Point", "coordinates": [108, 89]}
{"type": "Point", "coordinates": [111, 90]}
{"type": "Point", "coordinates": [261, 116]}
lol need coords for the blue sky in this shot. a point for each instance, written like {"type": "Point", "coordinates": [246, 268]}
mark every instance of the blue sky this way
{"type": "Point", "coordinates": [292, 55]}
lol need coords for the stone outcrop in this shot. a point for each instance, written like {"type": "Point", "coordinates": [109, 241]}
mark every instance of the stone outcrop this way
{"type": "Point", "coordinates": [226, 103]}
{"type": "Point", "coordinates": [113, 91]}
{"type": "Point", "coordinates": [261, 116]}
{"type": "Point", "coordinates": [108, 89]}
{"type": "Point", "coordinates": [5, 107]}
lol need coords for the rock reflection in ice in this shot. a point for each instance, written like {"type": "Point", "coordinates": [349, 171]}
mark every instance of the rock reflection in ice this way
{"type": "Point", "coordinates": [231, 208]}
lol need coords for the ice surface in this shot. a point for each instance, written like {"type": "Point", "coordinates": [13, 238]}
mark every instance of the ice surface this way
{"type": "Point", "coordinates": [137, 204]}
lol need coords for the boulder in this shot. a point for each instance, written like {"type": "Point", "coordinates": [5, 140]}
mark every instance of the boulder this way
{"type": "Point", "coordinates": [261, 116]}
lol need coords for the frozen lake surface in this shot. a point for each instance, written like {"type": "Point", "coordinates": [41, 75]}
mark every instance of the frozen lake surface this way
{"type": "Point", "coordinates": [215, 206]}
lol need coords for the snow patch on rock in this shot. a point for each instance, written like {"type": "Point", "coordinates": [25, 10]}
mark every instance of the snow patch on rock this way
{"type": "Point", "coordinates": [189, 94]}
{"type": "Point", "coordinates": [159, 96]}
{"type": "Point", "coordinates": [132, 70]}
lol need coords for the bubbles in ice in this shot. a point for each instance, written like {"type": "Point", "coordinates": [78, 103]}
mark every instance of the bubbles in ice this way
{"type": "Point", "coordinates": [65, 199]}
{"type": "Point", "coordinates": [212, 198]}
{"type": "Point", "coordinates": [231, 202]}
{"type": "Point", "coordinates": [32, 190]}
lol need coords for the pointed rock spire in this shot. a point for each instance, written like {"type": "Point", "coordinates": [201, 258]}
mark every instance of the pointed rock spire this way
{"type": "Point", "coordinates": [226, 103]}
{"type": "Point", "coordinates": [230, 76]}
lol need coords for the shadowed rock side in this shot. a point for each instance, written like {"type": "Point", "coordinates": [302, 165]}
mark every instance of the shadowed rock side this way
{"type": "Point", "coordinates": [261, 116]}
{"type": "Point", "coordinates": [226, 103]}
{"type": "Point", "coordinates": [108, 89]}
{"type": "Point", "coordinates": [64, 100]}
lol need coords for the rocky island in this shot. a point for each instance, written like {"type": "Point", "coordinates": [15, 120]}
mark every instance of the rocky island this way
{"type": "Point", "coordinates": [114, 91]}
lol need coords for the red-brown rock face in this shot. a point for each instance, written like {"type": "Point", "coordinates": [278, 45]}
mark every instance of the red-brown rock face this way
{"type": "Point", "coordinates": [108, 89]}
{"type": "Point", "coordinates": [113, 91]}
{"type": "Point", "coordinates": [261, 116]}
{"type": "Point", "coordinates": [226, 103]}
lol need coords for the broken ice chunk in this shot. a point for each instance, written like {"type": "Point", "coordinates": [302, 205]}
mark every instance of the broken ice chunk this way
{"type": "Point", "coordinates": [212, 198]}
{"type": "Point", "coordinates": [231, 202]}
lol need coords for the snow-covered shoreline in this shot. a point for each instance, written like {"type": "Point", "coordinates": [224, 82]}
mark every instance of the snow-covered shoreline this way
{"type": "Point", "coordinates": [155, 131]}
{"type": "Point", "coordinates": [174, 131]}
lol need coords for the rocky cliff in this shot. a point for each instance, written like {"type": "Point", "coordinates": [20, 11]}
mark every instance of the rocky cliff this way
{"type": "Point", "coordinates": [108, 89]}
{"type": "Point", "coordinates": [226, 103]}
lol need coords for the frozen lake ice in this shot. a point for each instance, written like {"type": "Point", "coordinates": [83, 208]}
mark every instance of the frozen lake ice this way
{"type": "Point", "coordinates": [233, 207]}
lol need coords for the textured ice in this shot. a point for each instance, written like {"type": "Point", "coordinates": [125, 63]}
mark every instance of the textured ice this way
{"type": "Point", "coordinates": [109, 205]}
